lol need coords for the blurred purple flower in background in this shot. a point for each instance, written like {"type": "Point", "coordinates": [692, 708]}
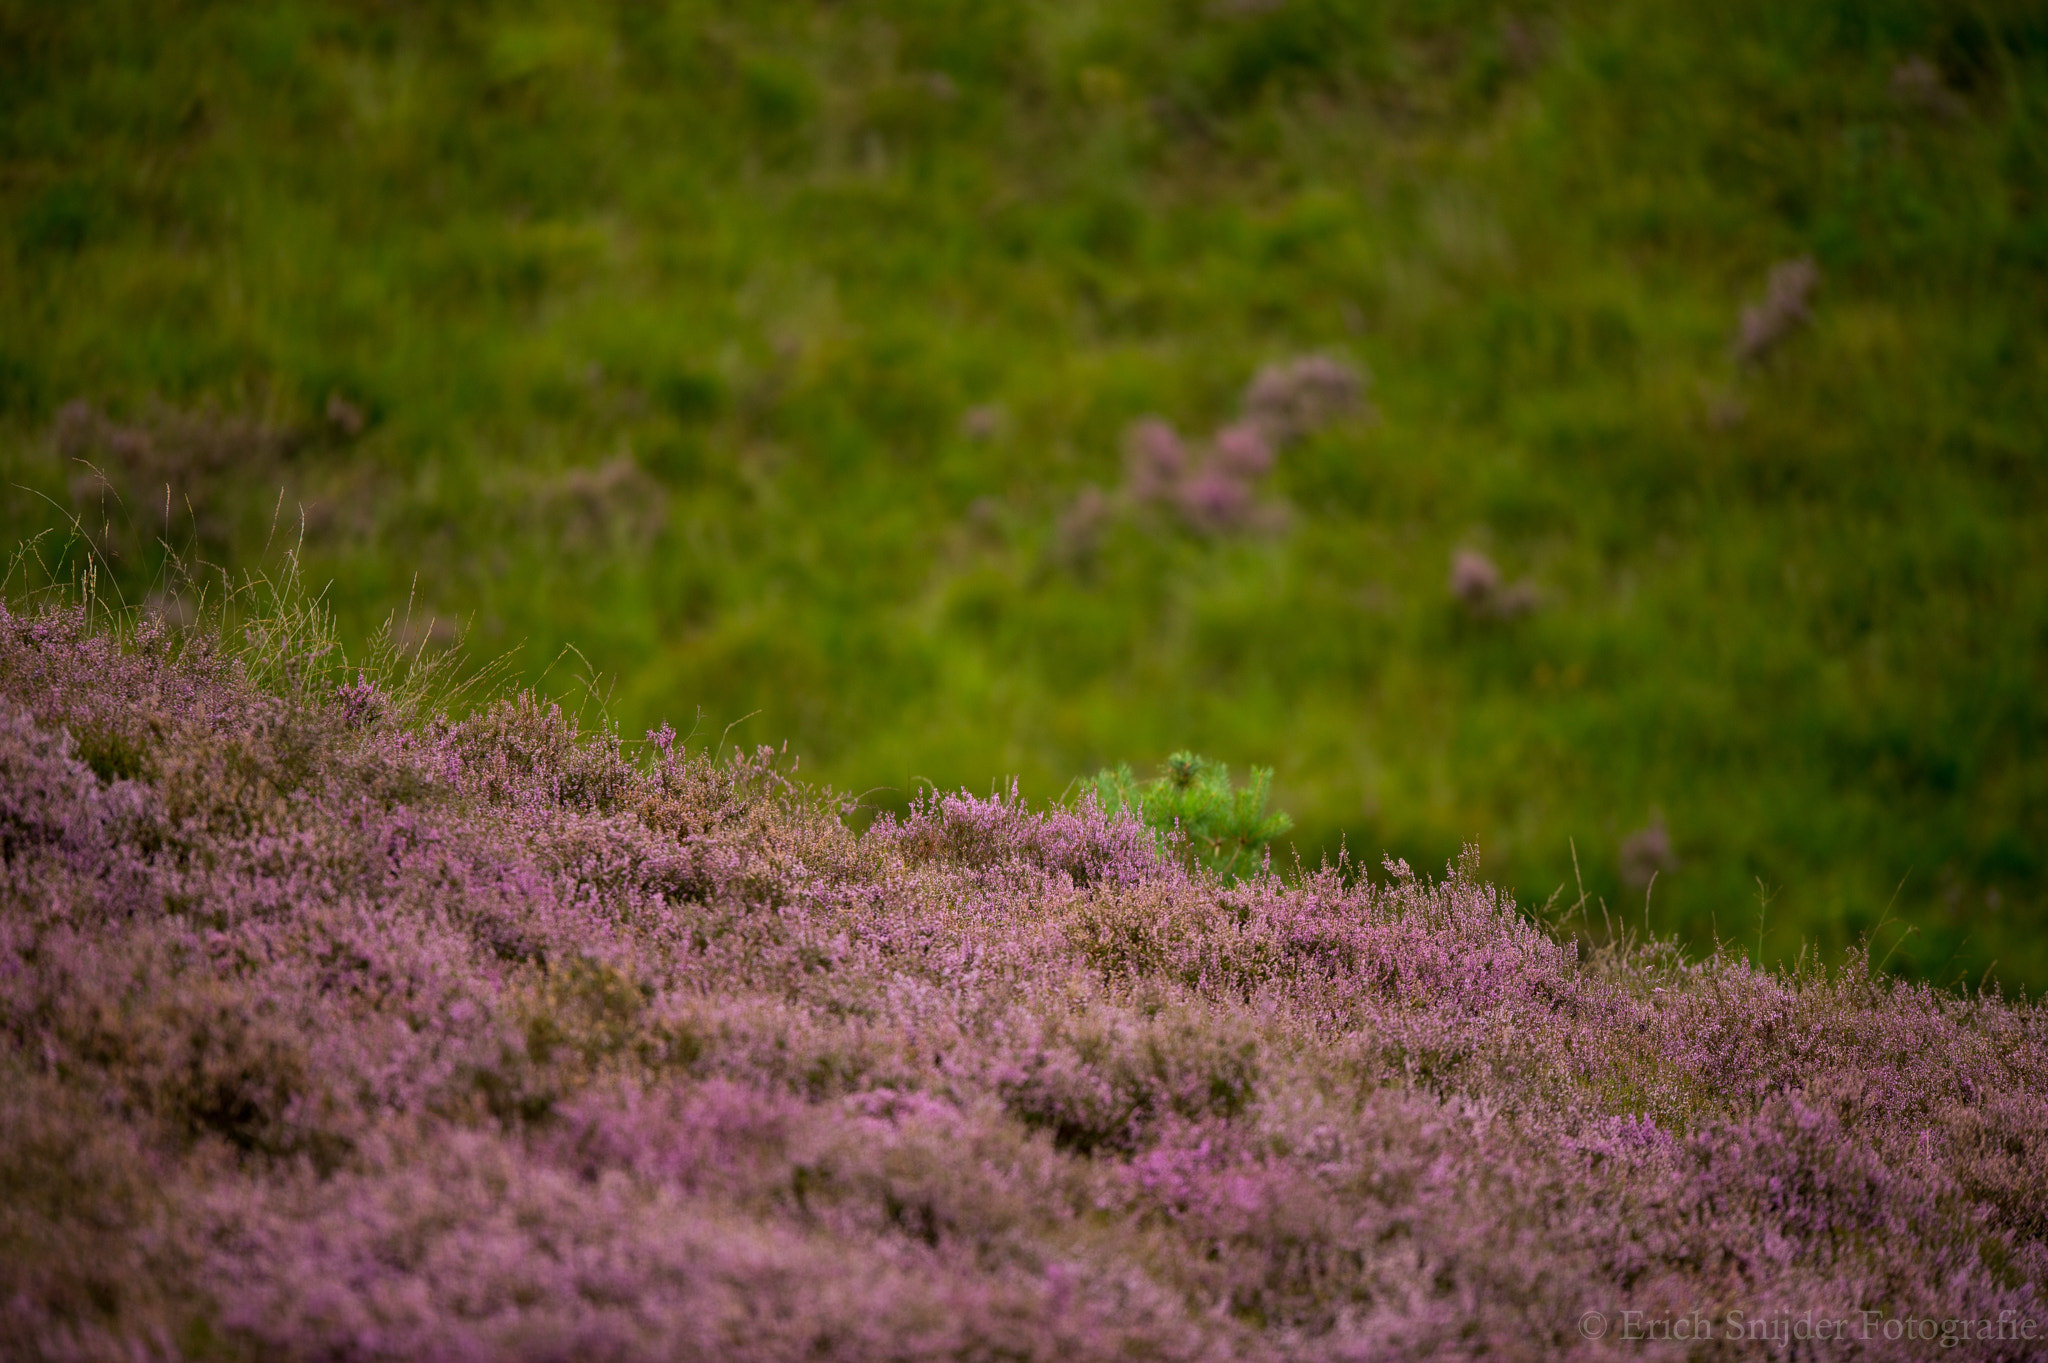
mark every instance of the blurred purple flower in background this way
{"type": "Point", "coordinates": [1476, 584]}
{"type": "Point", "coordinates": [1646, 853]}
{"type": "Point", "coordinates": [1298, 397]}
{"type": "Point", "coordinates": [1244, 451]}
{"type": "Point", "coordinates": [1213, 500]}
{"type": "Point", "coordinates": [1474, 579]}
{"type": "Point", "coordinates": [1786, 305]}
{"type": "Point", "coordinates": [1215, 488]}
{"type": "Point", "coordinates": [1155, 459]}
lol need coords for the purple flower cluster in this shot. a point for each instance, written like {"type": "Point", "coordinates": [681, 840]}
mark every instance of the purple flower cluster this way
{"type": "Point", "coordinates": [327, 1034]}
{"type": "Point", "coordinates": [1214, 488]}
{"type": "Point", "coordinates": [1477, 585]}
{"type": "Point", "coordinates": [1787, 304]}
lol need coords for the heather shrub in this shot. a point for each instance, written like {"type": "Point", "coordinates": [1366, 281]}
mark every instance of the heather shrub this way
{"type": "Point", "coordinates": [1477, 585]}
{"type": "Point", "coordinates": [516, 747]}
{"type": "Point", "coordinates": [1215, 487]}
{"type": "Point", "coordinates": [1998, 1144]}
{"type": "Point", "coordinates": [1098, 1083]}
{"type": "Point", "coordinates": [389, 1033]}
{"type": "Point", "coordinates": [1002, 835]}
{"type": "Point", "coordinates": [1785, 306]}
{"type": "Point", "coordinates": [88, 1264]}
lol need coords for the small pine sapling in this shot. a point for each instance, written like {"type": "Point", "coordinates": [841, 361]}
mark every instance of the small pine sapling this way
{"type": "Point", "coordinates": [1223, 827]}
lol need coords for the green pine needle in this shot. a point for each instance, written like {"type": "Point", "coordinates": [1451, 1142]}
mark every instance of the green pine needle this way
{"type": "Point", "coordinates": [1223, 827]}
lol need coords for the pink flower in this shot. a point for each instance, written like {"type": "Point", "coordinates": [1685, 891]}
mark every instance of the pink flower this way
{"type": "Point", "coordinates": [1474, 579]}
{"type": "Point", "coordinates": [1214, 500]}
{"type": "Point", "coordinates": [1298, 397]}
{"type": "Point", "coordinates": [1155, 459]}
{"type": "Point", "coordinates": [1243, 450]}
{"type": "Point", "coordinates": [1786, 305]}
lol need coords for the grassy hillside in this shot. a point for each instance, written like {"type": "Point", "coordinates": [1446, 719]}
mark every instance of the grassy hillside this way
{"type": "Point", "coordinates": [333, 1028]}
{"type": "Point", "coordinates": [768, 353]}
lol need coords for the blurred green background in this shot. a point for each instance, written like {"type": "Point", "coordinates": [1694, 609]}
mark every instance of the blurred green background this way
{"type": "Point", "coordinates": [765, 352]}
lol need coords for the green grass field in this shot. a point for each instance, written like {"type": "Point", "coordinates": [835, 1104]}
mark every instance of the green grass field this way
{"type": "Point", "coordinates": [766, 353]}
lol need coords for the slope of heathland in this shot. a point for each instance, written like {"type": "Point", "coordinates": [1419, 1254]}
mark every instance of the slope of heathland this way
{"type": "Point", "coordinates": [332, 1028]}
{"type": "Point", "coordinates": [783, 357]}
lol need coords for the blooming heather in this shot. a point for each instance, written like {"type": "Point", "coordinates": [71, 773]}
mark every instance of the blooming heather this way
{"type": "Point", "coordinates": [1297, 397]}
{"type": "Point", "coordinates": [1786, 305]}
{"type": "Point", "coordinates": [1155, 459]}
{"type": "Point", "coordinates": [1474, 578]}
{"type": "Point", "coordinates": [1476, 584]}
{"type": "Point", "coordinates": [332, 1032]}
{"type": "Point", "coordinates": [1215, 488]}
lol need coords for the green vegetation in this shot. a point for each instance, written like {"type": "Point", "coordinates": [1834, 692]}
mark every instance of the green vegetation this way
{"type": "Point", "coordinates": [767, 353]}
{"type": "Point", "coordinates": [1225, 827]}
